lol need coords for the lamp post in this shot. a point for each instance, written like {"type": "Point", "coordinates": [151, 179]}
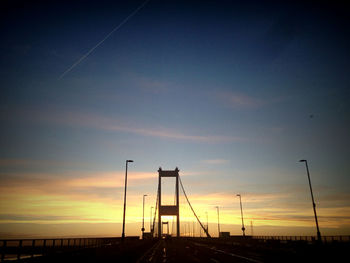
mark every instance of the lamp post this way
{"type": "Point", "coordinates": [251, 228]}
{"type": "Point", "coordinates": [240, 202]}
{"type": "Point", "coordinates": [217, 208]}
{"type": "Point", "coordinates": [193, 228]}
{"type": "Point", "coordinates": [312, 198]}
{"type": "Point", "coordinates": [126, 181]}
{"type": "Point", "coordinates": [143, 216]}
{"type": "Point", "coordinates": [150, 220]}
{"type": "Point", "coordinates": [207, 222]}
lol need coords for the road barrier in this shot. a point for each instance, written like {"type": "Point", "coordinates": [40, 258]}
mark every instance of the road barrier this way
{"type": "Point", "coordinates": [11, 249]}
{"type": "Point", "coordinates": [308, 239]}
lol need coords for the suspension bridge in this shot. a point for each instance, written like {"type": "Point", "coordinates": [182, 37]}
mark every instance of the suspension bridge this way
{"type": "Point", "coordinates": [171, 210]}
{"type": "Point", "coordinates": [176, 245]}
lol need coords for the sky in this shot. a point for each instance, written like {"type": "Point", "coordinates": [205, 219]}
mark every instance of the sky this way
{"type": "Point", "coordinates": [233, 93]}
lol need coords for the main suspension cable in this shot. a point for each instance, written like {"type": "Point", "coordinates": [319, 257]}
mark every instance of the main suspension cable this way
{"type": "Point", "coordinates": [155, 212]}
{"type": "Point", "coordinates": [188, 201]}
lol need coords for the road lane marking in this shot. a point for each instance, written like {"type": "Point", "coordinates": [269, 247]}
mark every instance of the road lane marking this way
{"type": "Point", "coordinates": [238, 256]}
{"type": "Point", "coordinates": [154, 251]}
{"type": "Point", "coordinates": [154, 248]}
{"type": "Point", "coordinates": [228, 253]}
{"type": "Point", "coordinates": [164, 254]}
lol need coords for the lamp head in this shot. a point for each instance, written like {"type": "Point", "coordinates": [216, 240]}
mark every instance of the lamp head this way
{"type": "Point", "coordinates": [302, 161]}
{"type": "Point", "coordinates": [129, 161]}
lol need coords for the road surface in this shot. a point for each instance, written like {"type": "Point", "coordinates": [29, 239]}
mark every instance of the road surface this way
{"type": "Point", "coordinates": [185, 250]}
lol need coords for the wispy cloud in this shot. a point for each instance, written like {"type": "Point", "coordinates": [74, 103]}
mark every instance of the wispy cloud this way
{"type": "Point", "coordinates": [90, 120]}
{"type": "Point", "coordinates": [243, 101]}
{"type": "Point", "coordinates": [109, 179]}
{"type": "Point", "coordinates": [69, 196]}
{"type": "Point", "coordinates": [40, 218]}
{"type": "Point", "coordinates": [240, 101]}
{"type": "Point", "coordinates": [149, 85]}
{"type": "Point", "coordinates": [15, 162]}
{"type": "Point", "coordinates": [91, 197]}
{"type": "Point", "coordinates": [215, 161]}
{"type": "Point", "coordinates": [225, 199]}
{"type": "Point", "coordinates": [69, 181]}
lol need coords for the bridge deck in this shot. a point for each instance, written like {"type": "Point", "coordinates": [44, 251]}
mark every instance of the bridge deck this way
{"type": "Point", "coordinates": [200, 250]}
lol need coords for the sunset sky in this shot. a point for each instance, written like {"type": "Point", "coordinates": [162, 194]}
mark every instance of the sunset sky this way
{"type": "Point", "coordinates": [233, 93]}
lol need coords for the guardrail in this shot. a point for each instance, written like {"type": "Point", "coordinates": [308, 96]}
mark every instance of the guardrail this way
{"type": "Point", "coordinates": [309, 239]}
{"type": "Point", "coordinates": [11, 249]}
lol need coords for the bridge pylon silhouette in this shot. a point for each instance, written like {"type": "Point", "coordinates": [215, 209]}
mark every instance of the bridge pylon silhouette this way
{"type": "Point", "coordinates": [172, 210]}
{"type": "Point", "coordinates": [168, 210]}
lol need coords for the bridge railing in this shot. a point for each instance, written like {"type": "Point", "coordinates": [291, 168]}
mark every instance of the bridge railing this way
{"type": "Point", "coordinates": [309, 239]}
{"type": "Point", "coordinates": [11, 249]}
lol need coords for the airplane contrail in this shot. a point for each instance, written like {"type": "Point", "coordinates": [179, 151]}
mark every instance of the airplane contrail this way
{"type": "Point", "coordinates": [99, 43]}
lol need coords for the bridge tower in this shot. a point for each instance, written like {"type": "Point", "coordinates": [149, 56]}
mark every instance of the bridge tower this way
{"type": "Point", "coordinates": [168, 210]}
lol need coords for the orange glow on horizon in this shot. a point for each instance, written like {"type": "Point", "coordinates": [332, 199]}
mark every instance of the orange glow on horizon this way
{"type": "Point", "coordinates": [74, 201]}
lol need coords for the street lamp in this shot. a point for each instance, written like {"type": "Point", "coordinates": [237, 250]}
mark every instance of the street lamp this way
{"type": "Point", "coordinates": [126, 181]}
{"type": "Point", "coordinates": [240, 201]}
{"type": "Point", "coordinates": [312, 198]}
{"type": "Point", "coordinates": [218, 221]}
{"type": "Point", "coordinates": [207, 222]}
{"type": "Point", "coordinates": [143, 216]}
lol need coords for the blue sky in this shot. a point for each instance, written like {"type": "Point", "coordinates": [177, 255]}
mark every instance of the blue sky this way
{"type": "Point", "coordinates": [233, 93]}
